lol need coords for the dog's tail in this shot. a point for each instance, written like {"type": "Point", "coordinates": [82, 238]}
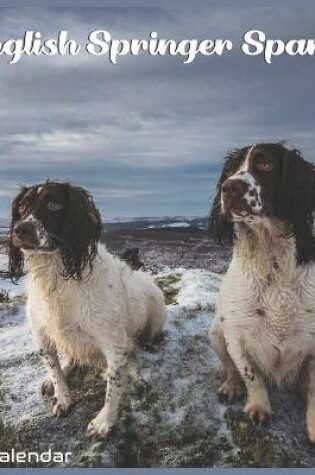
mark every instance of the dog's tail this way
{"type": "Point", "coordinates": [153, 330]}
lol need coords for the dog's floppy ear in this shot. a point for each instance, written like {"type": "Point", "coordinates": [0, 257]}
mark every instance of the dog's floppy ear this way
{"type": "Point", "coordinates": [221, 228]}
{"type": "Point", "coordinates": [295, 202]}
{"type": "Point", "coordinates": [16, 260]}
{"type": "Point", "coordinates": [81, 232]}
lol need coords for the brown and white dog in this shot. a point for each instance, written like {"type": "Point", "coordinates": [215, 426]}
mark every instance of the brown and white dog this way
{"type": "Point", "coordinates": [81, 299]}
{"type": "Point", "coordinates": [265, 314]}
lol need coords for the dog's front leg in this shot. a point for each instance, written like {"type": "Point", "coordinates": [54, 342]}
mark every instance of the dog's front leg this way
{"type": "Point", "coordinates": [232, 388]}
{"type": "Point", "coordinates": [48, 385]}
{"type": "Point", "coordinates": [258, 406]}
{"type": "Point", "coordinates": [310, 401]}
{"type": "Point", "coordinates": [62, 399]}
{"type": "Point", "coordinates": [116, 376]}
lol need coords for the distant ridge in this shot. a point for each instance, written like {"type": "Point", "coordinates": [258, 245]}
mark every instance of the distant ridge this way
{"type": "Point", "coordinates": [144, 222]}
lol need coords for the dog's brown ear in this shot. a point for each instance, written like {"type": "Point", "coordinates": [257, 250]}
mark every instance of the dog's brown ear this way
{"type": "Point", "coordinates": [81, 232]}
{"type": "Point", "coordinates": [16, 261]}
{"type": "Point", "coordinates": [295, 202]}
{"type": "Point", "coordinates": [221, 229]}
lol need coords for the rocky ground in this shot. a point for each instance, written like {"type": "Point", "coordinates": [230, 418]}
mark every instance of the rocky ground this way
{"type": "Point", "coordinates": [171, 416]}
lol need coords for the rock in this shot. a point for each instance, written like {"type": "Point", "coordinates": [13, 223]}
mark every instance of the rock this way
{"type": "Point", "coordinates": [131, 256]}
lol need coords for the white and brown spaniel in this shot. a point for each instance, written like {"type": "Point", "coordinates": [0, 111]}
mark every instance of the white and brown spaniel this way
{"type": "Point", "coordinates": [265, 313]}
{"type": "Point", "coordinates": [81, 299]}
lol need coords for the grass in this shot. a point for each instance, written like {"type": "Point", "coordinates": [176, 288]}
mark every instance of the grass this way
{"type": "Point", "coordinates": [168, 285]}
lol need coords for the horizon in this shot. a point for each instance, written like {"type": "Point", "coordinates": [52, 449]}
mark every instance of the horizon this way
{"type": "Point", "coordinates": [136, 218]}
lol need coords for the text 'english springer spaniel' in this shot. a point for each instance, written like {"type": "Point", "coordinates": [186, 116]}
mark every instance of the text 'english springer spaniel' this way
{"type": "Point", "coordinates": [81, 299]}
{"type": "Point", "coordinates": [265, 314]}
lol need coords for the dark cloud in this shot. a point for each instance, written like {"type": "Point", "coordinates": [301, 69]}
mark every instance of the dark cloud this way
{"type": "Point", "coordinates": [147, 136]}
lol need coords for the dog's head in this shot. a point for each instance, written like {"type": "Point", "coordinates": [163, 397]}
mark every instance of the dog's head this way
{"type": "Point", "coordinates": [54, 217]}
{"type": "Point", "coordinates": [262, 182]}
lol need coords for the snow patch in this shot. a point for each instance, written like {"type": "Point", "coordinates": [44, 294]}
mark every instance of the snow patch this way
{"type": "Point", "coordinates": [183, 370]}
{"type": "Point", "coordinates": [171, 225]}
{"type": "Point", "coordinates": [3, 261]}
{"type": "Point", "coordinates": [21, 371]}
{"type": "Point", "coordinates": [197, 288]}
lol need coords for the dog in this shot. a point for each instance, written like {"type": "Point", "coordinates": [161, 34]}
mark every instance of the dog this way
{"type": "Point", "coordinates": [264, 325]}
{"type": "Point", "coordinates": [81, 299]}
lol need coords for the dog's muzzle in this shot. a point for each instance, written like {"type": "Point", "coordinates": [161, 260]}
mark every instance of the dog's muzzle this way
{"type": "Point", "coordinates": [241, 198]}
{"type": "Point", "coordinates": [233, 199]}
{"type": "Point", "coordinates": [29, 235]}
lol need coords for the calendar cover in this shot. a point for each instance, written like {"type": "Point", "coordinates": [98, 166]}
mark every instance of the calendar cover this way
{"type": "Point", "coordinates": [157, 253]}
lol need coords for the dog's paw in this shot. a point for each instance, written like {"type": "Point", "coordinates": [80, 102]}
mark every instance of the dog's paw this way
{"type": "Point", "coordinates": [60, 406]}
{"type": "Point", "coordinates": [48, 388]}
{"type": "Point", "coordinates": [311, 432]}
{"type": "Point", "coordinates": [97, 428]}
{"type": "Point", "coordinates": [259, 414]}
{"type": "Point", "coordinates": [230, 391]}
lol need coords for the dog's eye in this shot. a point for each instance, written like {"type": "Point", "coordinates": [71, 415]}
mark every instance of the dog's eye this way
{"type": "Point", "coordinates": [22, 208]}
{"type": "Point", "coordinates": [54, 205]}
{"type": "Point", "coordinates": [265, 166]}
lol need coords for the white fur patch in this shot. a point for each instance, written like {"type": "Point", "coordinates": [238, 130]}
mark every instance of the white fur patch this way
{"type": "Point", "coordinates": [97, 317]}
{"type": "Point", "coordinates": [275, 317]}
{"type": "Point", "coordinates": [30, 218]}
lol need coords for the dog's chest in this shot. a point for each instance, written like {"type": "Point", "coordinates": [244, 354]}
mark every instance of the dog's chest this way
{"type": "Point", "coordinates": [275, 319]}
{"type": "Point", "coordinates": [279, 335]}
{"type": "Point", "coordinates": [65, 311]}
{"type": "Point", "coordinates": [279, 312]}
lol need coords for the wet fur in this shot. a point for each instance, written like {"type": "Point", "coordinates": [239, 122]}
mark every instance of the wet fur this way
{"type": "Point", "coordinates": [264, 324]}
{"type": "Point", "coordinates": [84, 301]}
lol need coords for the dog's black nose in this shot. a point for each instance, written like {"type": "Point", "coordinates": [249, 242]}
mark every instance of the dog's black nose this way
{"type": "Point", "coordinates": [234, 188]}
{"type": "Point", "coordinates": [23, 230]}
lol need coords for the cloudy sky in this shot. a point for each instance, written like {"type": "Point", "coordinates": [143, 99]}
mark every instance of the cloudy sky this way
{"type": "Point", "coordinates": [148, 135]}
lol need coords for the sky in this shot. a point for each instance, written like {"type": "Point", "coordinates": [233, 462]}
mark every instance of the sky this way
{"type": "Point", "coordinates": [148, 135]}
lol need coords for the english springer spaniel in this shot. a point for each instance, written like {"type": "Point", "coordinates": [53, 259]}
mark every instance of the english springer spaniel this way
{"type": "Point", "coordinates": [81, 299]}
{"type": "Point", "coordinates": [265, 313]}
